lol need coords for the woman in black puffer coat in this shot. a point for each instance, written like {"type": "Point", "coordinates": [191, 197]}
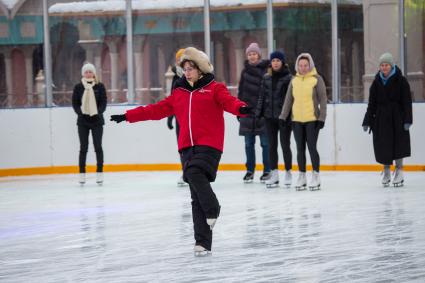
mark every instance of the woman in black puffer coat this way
{"type": "Point", "coordinates": [389, 117]}
{"type": "Point", "coordinates": [272, 95]}
{"type": "Point", "coordinates": [250, 127]}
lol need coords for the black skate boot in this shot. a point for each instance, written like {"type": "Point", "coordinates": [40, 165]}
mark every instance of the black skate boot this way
{"type": "Point", "coordinates": [266, 176]}
{"type": "Point", "coordinates": [249, 177]}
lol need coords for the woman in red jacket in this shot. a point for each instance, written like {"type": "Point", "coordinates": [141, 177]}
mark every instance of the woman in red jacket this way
{"type": "Point", "coordinates": [198, 102]}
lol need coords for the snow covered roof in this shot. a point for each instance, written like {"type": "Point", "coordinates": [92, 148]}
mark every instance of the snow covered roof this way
{"type": "Point", "coordinates": [10, 4]}
{"type": "Point", "coordinates": [119, 5]}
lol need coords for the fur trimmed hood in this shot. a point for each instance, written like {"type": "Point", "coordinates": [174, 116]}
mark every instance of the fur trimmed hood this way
{"type": "Point", "coordinates": [310, 59]}
{"type": "Point", "coordinates": [200, 58]}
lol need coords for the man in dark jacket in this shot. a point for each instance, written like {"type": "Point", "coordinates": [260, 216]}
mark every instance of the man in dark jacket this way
{"type": "Point", "coordinates": [389, 117]}
{"type": "Point", "coordinates": [272, 95]}
{"type": "Point", "coordinates": [249, 89]}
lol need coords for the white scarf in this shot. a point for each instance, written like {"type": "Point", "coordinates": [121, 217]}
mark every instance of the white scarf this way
{"type": "Point", "coordinates": [88, 102]}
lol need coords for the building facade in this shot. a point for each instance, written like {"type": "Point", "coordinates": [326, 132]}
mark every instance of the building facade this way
{"type": "Point", "coordinates": [95, 31]}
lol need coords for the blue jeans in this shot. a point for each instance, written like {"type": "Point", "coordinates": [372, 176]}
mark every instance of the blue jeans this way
{"type": "Point", "coordinates": [250, 152]}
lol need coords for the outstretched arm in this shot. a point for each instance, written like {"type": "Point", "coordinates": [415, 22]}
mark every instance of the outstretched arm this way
{"type": "Point", "coordinates": [156, 111]}
{"type": "Point", "coordinates": [229, 103]}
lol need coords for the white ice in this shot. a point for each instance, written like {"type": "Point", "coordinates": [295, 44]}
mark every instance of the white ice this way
{"type": "Point", "coordinates": [137, 227]}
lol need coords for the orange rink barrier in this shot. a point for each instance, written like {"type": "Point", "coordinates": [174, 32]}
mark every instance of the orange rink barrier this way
{"type": "Point", "coordinates": [177, 167]}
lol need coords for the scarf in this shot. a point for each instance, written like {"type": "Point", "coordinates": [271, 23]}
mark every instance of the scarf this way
{"type": "Point", "coordinates": [385, 79]}
{"type": "Point", "coordinates": [88, 101]}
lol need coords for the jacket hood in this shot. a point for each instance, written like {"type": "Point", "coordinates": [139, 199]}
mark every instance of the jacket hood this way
{"type": "Point", "coordinates": [183, 83]}
{"type": "Point", "coordinates": [310, 60]}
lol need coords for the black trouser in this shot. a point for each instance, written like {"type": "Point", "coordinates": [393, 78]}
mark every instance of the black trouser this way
{"type": "Point", "coordinates": [306, 133]}
{"type": "Point", "coordinates": [83, 133]}
{"type": "Point", "coordinates": [177, 135]}
{"type": "Point", "coordinates": [274, 126]}
{"type": "Point", "coordinates": [200, 168]}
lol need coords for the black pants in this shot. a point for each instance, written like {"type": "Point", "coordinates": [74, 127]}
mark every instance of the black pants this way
{"type": "Point", "coordinates": [274, 127]}
{"type": "Point", "coordinates": [83, 133]}
{"type": "Point", "coordinates": [200, 168]}
{"type": "Point", "coordinates": [306, 133]}
{"type": "Point", "coordinates": [177, 135]}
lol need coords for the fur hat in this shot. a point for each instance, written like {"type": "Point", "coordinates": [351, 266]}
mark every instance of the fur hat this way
{"type": "Point", "coordinates": [179, 54]}
{"type": "Point", "coordinates": [386, 58]}
{"type": "Point", "coordinates": [253, 47]}
{"type": "Point", "coordinates": [200, 58]}
{"type": "Point", "coordinates": [277, 55]}
{"type": "Point", "coordinates": [310, 60]}
{"type": "Point", "coordinates": [88, 67]}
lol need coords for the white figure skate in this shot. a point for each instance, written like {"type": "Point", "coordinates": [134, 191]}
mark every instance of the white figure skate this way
{"type": "Point", "coordinates": [288, 179]}
{"type": "Point", "coordinates": [82, 178]}
{"type": "Point", "coordinates": [398, 180]}
{"type": "Point", "coordinates": [315, 181]}
{"type": "Point", "coordinates": [301, 182]}
{"type": "Point", "coordinates": [200, 251]}
{"type": "Point", "coordinates": [273, 181]}
{"type": "Point", "coordinates": [99, 178]}
{"type": "Point", "coordinates": [386, 179]}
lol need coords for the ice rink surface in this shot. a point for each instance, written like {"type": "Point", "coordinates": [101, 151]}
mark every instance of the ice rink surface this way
{"type": "Point", "coordinates": [137, 227]}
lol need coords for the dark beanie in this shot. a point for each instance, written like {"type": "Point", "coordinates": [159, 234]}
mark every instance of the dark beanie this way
{"type": "Point", "coordinates": [277, 55]}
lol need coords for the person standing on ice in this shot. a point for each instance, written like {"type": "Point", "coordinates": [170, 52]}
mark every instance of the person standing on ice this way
{"type": "Point", "coordinates": [248, 91]}
{"type": "Point", "coordinates": [306, 99]}
{"type": "Point", "coordinates": [178, 73]}
{"type": "Point", "coordinates": [389, 117]}
{"type": "Point", "coordinates": [89, 102]}
{"type": "Point", "coordinates": [272, 95]}
{"type": "Point", "coordinates": [198, 102]}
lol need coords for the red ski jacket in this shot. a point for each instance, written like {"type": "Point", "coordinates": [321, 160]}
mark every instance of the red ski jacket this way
{"type": "Point", "coordinates": [199, 112]}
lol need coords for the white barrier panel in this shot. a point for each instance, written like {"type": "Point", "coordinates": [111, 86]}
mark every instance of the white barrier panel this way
{"type": "Point", "coordinates": [48, 137]}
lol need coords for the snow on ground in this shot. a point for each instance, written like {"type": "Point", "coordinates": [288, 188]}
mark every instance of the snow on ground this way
{"type": "Point", "coordinates": [137, 227]}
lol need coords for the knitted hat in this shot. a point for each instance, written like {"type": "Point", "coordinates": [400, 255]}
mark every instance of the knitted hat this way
{"type": "Point", "coordinates": [88, 67]}
{"type": "Point", "coordinates": [277, 55]}
{"type": "Point", "coordinates": [386, 58]}
{"type": "Point", "coordinates": [253, 47]}
{"type": "Point", "coordinates": [179, 54]}
{"type": "Point", "coordinates": [200, 58]}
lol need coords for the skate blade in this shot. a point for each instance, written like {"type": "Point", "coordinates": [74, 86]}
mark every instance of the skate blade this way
{"type": "Point", "coordinates": [302, 188]}
{"type": "Point", "coordinates": [182, 185]}
{"type": "Point", "coordinates": [317, 188]}
{"type": "Point", "coordinates": [398, 185]}
{"type": "Point", "coordinates": [386, 185]}
{"type": "Point", "coordinates": [99, 184]}
{"type": "Point", "coordinates": [202, 254]}
{"type": "Point", "coordinates": [248, 181]}
{"type": "Point", "coordinates": [82, 184]}
{"type": "Point", "coordinates": [271, 186]}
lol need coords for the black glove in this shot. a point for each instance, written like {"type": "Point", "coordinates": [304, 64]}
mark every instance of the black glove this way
{"type": "Point", "coordinates": [238, 118]}
{"type": "Point", "coordinates": [170, 122]}
{"type": "Point", "coordinates": [284, 123]}
{"type": "Point", "coordinates": [320, 124]}
{"type": "Point", "coordinates": [407, 126]}
{"type": "Point", "coordinates": [365, 128]}
{"type": "Point", "coordinates": [246, 110]}
{"type": "Point", "coordinates": [118, 118]}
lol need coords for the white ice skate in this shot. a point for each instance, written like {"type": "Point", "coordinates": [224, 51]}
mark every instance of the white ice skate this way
{"type": "Point", "coordinates": [181, 182]}
{"type": "Point", "coordinates": [398, 179]}
{"type": "Point", "coordinates": [386, 179]}
{"type": "Point", "coordinates": [301, 182]}
{"type": "Point", "coordinates": [99, 178]}
{"type": "Point", "coordinates": [273, 181]}
{"type": "Point", "coordinates": [248, 178]}
{"type": "Point", "coordinates": [82, 178]}
{"type": "Point", "coordinates": [211, 222]}
{"type": "Point", "coordinates": [200, 251]}
{"type": "Point", "coordinates": [288, 179]}
{"type": "Point", "coordinates": [315, 181]}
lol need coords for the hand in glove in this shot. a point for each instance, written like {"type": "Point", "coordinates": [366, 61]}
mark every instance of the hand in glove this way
{"type": "Point", "coordinates": [365, 128]}
{"type": "Point", "coordinates": [118, 118]}
{"type": "Point", "coordinates": [407, 126]}
{"type": "Point", "coordinates": [320, 124]}
{"type": "Point", "coordinates": [170, 122]}
{"type": "Point", "coordinates": [246, 110]}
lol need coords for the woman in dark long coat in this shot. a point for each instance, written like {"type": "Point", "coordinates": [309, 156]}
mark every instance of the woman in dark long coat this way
{"type": "Point", "coordinates": [389, 117]}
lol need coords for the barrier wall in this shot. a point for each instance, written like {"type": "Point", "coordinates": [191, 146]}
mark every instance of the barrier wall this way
{"type": "Point", "coordinates": [47, 137]}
